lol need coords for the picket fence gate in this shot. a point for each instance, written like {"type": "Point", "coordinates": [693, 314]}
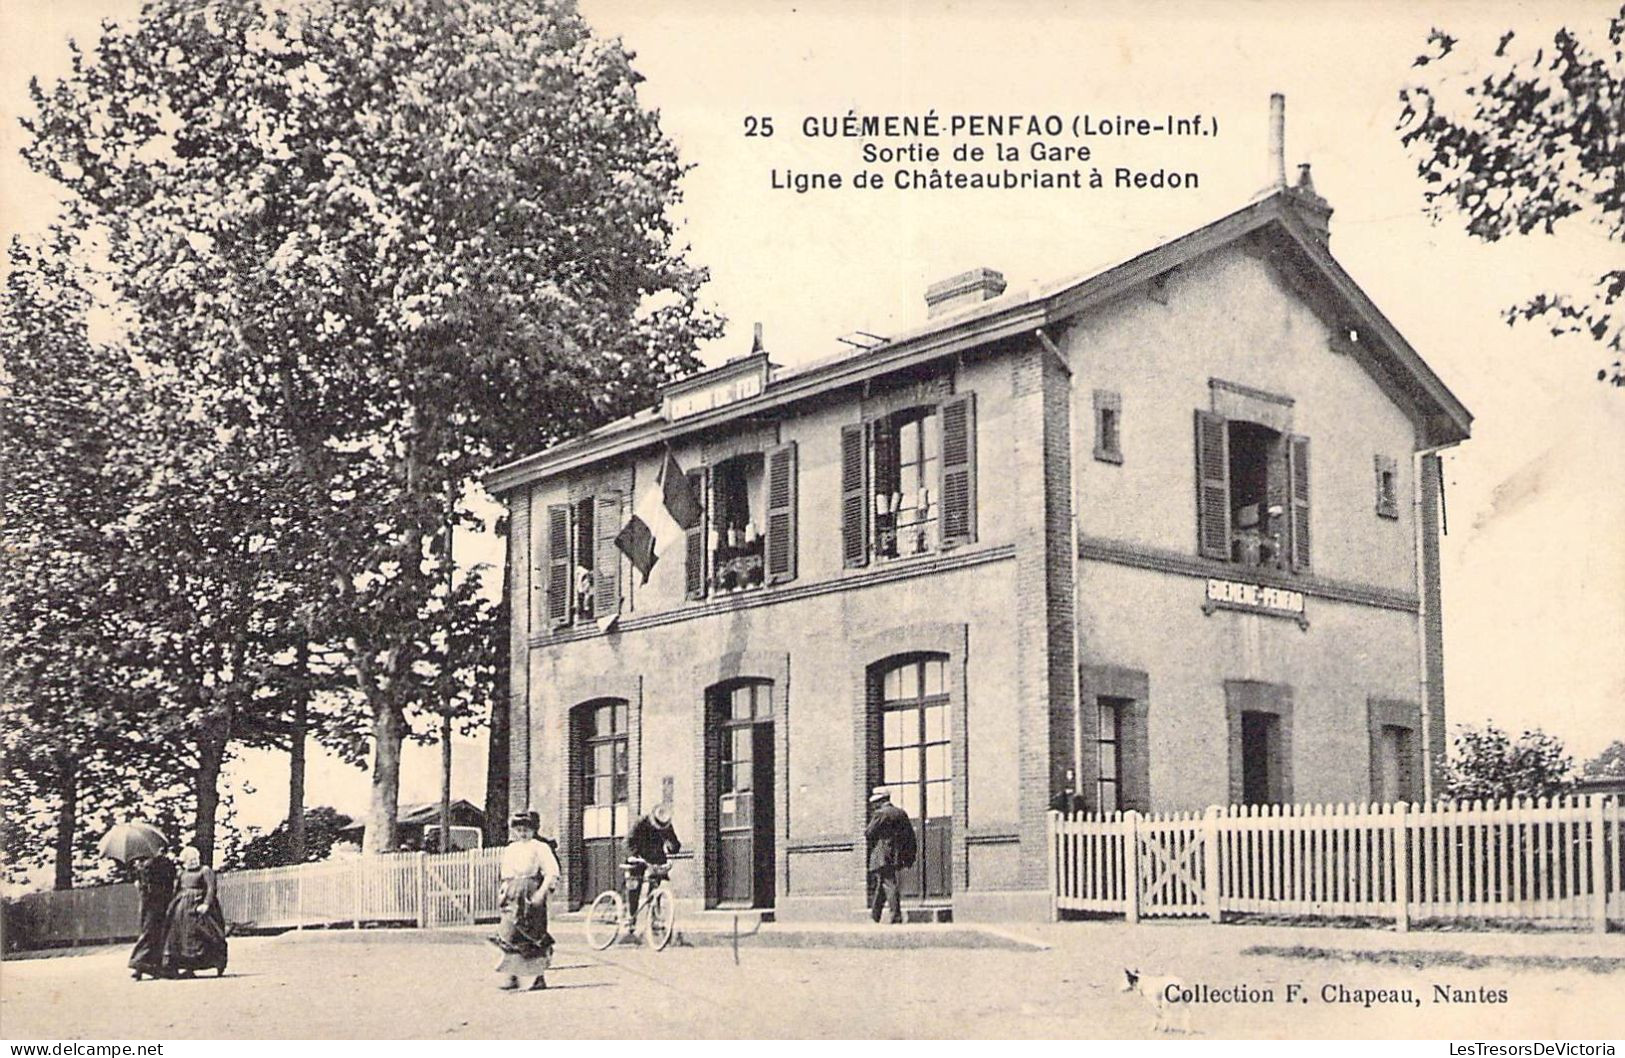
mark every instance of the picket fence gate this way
{"type": "Point", "coordinates": [1548, 859]}
{"type": "Point", "coordinates": [447, 889]}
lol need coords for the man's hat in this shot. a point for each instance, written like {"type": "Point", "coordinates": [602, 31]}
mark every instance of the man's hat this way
{"type": "Point", "coordinates": [532, 820]}
{"type": "Point", "coordinates": [661, 813]}
{"type": "Point", "coordinates": [880, 794]}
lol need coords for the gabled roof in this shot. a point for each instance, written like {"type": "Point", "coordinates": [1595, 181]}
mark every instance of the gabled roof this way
{"type": "Point", "coordinates": [1280, 226]}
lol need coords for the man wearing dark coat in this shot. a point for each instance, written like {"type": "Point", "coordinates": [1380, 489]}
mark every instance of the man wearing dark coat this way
{"type": "Point", "coordinates": [653, 837]}
{"type": "Point", "coordinates": [155, 881]}
{"type": "Point", "coordinates": [891, 848]}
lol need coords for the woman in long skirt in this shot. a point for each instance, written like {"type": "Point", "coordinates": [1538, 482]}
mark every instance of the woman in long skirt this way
{"type": "Point", "coordinates": [155, 880]}
{"type": "Point", "coordinates": [529, 870]}
{"type": "Point", "coordinates": [196, 928]}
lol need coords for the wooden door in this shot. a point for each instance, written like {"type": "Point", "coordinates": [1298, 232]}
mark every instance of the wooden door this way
{"type": "Point", "coordinates": [603, 798]}
{"type": "Point", "coordinates": [743, 806]}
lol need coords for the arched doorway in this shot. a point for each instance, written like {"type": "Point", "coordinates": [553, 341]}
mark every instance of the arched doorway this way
{"type": "Point", "coordinates": [914, 762]}
{"type": "Point", "coordinates": [739, 793]}
{"type": "Point", "coordinates": [599, 798]}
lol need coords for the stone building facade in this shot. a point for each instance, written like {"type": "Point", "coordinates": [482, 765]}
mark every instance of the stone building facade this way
{"type": "Point", "coordinates": [1161, 538]}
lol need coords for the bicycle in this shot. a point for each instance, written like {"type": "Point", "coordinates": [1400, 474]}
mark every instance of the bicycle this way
{"type": "Point", "coordinates": [657, 912]}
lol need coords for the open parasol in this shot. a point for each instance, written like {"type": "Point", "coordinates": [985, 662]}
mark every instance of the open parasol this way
{"type": "Point", "coordinates": [127, 840]}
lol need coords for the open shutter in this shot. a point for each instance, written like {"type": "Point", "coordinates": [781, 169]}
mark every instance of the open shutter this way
{"type": "Point", "coordinates": [781, 513]}
{"type": "Point", "coordinates": [1212, 486]}
{"type": "Point", "coordinates": [607, 520]}
{"type": "Point", "coordinates": [694, 579]}
{"type": "Point", "coordinates": [854, 497]}
{"type": "Point", "coordinates": [1298, 477]}
{"type": "Point", "coordinates": [959, 470]}
{"type": "Point", "coordinates": [558, 564]}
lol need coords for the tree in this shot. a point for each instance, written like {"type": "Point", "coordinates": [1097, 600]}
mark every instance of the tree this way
{"type": "Point", "coordinates": [77, 737]}
{"type": "Point", "coordinates": [417, 237]}
{"type": "Point", "coordinates": [1525, 140]}
{"type": "Point", "coordinates": [1489, 764]}
{"type": "Point", "coordinates": [276, 848]}
{"type": "Point", "coordinates": [1609, 764]}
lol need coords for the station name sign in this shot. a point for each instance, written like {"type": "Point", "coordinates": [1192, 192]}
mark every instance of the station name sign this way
{"type": "Point", "coordinates": [729, 384]}
{"type": "Point", "coordinates": [1254, 598]}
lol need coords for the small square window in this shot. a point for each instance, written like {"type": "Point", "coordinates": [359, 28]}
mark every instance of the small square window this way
{"type": "Point", "coordinates": [1108, 426]}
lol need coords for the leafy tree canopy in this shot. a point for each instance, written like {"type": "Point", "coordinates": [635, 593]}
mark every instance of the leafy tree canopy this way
{"type": "Point", "coordinates": [1609, 764]}
{"type": "Point", "coordinates": [1489, 764]}
{"type": "Point", "coordinates": [1527, 138]}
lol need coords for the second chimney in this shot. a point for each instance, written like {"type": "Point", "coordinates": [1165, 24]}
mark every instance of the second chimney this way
{"type": "Point", "coordinates": [1277, 140]}
{"type": "Point", "coordinates": [962, 291]}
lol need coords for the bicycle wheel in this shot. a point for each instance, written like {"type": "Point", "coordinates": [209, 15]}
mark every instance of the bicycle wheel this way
{"type": "Point", "coordinates": [661, 920]}
{"type": "Point", "coordinates": [604, 919]}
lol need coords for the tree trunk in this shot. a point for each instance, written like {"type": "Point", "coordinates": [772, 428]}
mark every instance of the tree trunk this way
{"type": "Point", "coordinates": [497, 764]}
{"type": "Point", "coordinates": [388, 729]}
{"type": "Point", "coordinates": [67, 821]}
{"type": "Point", "coordinates": [211, 757]}
{"type": "Point", "coordinates": [296, 759]}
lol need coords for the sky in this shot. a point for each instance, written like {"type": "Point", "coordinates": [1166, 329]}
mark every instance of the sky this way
{"type": "Point", "coordinates": [1534, 563]}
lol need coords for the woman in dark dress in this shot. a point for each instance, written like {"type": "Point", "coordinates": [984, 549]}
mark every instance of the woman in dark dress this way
{"type": "Point", "coordinates": [155, 880]}
{"type": "Point", "coordinates": [195, 933]}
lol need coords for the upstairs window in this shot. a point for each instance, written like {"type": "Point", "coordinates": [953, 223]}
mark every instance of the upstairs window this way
{"type": "Point", "coordinates": [906, 454]}
{"type": "Point", "coordinates": [583, 580]}
{"type": "Point", "coordinates": [1108, 426]}
{"type": "Point", "coordinates": [737, 537]}
{"type": "Point", "coordinates": [908, 482]}
{"type": "Point", "coordinates": [1386, 471]}
{"type": "Point", "coordinates": [1252, 494]}
{"type": "Point", "coordinates": [746, 536]}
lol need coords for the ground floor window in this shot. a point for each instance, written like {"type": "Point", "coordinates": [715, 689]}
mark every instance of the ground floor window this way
{"type": "Point", "coordinates": [1110, 713]}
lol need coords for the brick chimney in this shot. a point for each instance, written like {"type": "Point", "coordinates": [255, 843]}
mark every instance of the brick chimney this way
{"type": "Point", "coordinates": [962, 291]}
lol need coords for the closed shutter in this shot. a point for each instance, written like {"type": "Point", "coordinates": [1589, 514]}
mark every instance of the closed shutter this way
{"type": "Point", "coordinates": [854, 497]}
{"type": "Point", "coordinates": [1298, 477]}
{"type": "Point", "coordinates": [959, 470]}
{"type": "Point", "coordinates": [607, 520]}
{"type": "Point", "coordinates": [694, 579]}
{"type": "Point", "coordinates": [558, 564]}
{"type": "Point", "coordinates": [1212, 486]}
{"type": "Point", "coordinates": [781, 513]}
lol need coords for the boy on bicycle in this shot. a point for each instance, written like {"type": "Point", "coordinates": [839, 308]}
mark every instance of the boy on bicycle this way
{"type": "Point", "coordinates": [652, 839]}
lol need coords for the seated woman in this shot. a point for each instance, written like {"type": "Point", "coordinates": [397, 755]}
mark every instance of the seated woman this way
{"type": "Point", "coordinates": [195, 933]}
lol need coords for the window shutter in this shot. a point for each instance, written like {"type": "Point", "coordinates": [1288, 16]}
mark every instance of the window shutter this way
{"type": "Point", "coordinates": [959, 470]}
{"type": "Point", "coordinates": [781, 513]}
{"type": "Point", "coordinates": [558, 564]}
{"type": "Point", "coordinates": [1298, 478]}
{"type": "Point", "coordinates": [607, 561]}
{"type": "Point", "coordinates": [694, 552]}
{"type": "Point", "coordinates": [854, 497]}
{"type": "Point", "coordinates": [1212, 486]}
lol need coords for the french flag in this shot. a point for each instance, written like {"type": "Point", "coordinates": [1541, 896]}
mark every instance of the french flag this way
{"type": "Point", "coordinates": [664, 514]}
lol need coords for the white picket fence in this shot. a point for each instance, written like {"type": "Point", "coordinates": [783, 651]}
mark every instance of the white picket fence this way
{"type": "Point", "coordinates": [452, 888]}
{"type": "Point", "coordinates": [1553, 860]}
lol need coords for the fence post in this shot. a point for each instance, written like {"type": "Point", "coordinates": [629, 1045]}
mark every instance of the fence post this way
{"type": "Point", "coordinates": [360, 891]}
{"type": "Point", "coordinates": [298, 898]}
{"type": "Point", "coordinates": [1132, 889]}
{"type": "Point", "coordinates": [1054, 851]}
{"type": "Point", "coordinates": [422, 886]}
{"type": "Point", "coordinates": [1400, 861]}
{"type": "Point", "coordinates": [1210, 869]}
{"type": "Point", "coordinates": [1596, 825]}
